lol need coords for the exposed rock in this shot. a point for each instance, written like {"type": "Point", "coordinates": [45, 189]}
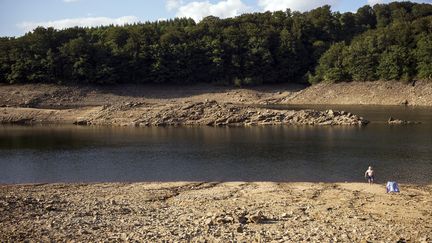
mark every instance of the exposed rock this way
{"type": "Point", "coordinates": [31, 102]}
{"type": "Point", "coordinates": [210, 113]}
{"type": "Point", "coordinates": [393, 121]}
{"type": "Point", "coordinates": [81, 121]}
{"type": "Point", "coordinates": [241, 218]}
{"type": "Point", "coordinates": [257, 218]}
{"type": "Point", "coordinates": [239, 229]}
{"type": "Point", "coordinates": [229, 219]}
{"type": "Point", "coordinates": [208, 222]}
{"type": "Point", "coordinates": [404, 102]}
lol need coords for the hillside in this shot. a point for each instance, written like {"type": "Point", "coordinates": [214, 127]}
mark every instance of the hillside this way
{"type": "Point", "coordinates": [384, 42]}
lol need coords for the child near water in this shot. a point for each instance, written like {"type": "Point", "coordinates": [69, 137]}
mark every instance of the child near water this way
{"type": "Point", "coordinates": [369, 174]}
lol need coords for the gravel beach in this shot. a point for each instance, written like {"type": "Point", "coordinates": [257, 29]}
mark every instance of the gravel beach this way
{"type": "Point", "coordinates": [215, 212]}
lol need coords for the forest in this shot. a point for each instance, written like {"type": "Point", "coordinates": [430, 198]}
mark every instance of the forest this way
{"type": "Point", "coordinates": [384, 42]}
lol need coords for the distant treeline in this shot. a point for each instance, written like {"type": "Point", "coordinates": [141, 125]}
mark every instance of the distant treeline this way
{"type": "Point", "coordinates": [384, 42]}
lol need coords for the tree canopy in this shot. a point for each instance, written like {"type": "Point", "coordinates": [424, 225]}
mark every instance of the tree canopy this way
{"type": "Point", "coordinates": [384, 42]}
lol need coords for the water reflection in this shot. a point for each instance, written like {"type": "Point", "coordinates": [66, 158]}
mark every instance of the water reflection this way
{"type": "Point", "coordinates": [282, 153]}
{"type": "Point", "coordinates": [376, 114]}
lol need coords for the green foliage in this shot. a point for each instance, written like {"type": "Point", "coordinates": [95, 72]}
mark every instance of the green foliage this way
{"type": "Point", "coordinates": [366, 17]}
{"type": "Point", "coordinates": [386, 41]}
{"type": "Point", "coordinates": [331, 67]}
{"type": "Point", "coordinates": [423, 55]}
{"type": "Point", "coordinates": [401, 50]}
{"type": "Point", "coordinates": [395, 63]}
{"type": "Point", "coordinates": [362, 58]}
{"type": "Point", "coordinates": [5, 59]}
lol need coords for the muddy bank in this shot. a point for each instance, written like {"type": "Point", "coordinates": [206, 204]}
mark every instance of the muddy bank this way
{"type": "Point", "coordinates": [362, 93]}
{"type": "Point", "coordinates": [61, 97]}
{"type": "Point", "coordinates": [353, 93]}
{"type": "Point", "coordinates": [232, 211]}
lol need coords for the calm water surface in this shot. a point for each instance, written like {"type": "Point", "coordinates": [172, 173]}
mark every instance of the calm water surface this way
{"type": "Point", "coordinates": [283, 153]}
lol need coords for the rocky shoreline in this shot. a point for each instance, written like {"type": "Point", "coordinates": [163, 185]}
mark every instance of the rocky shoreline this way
{"type": "Point", "coordinates": [209, 113]}
{"type": "Point", "coordinates": [215, 212]}
{"type": "Point", "coordinates": [169, 105]}
{"type": "Point", "coordinates": [212, 113]}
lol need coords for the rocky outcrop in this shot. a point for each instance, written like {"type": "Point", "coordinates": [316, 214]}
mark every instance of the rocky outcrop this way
{"type": "Point", "coordinates": [212, 113]}
{"type": "Point", "coordinates": [393, 121]}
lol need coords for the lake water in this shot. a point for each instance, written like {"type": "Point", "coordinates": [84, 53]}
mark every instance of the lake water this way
{"type": "Point", "coordinates": [41, 154]}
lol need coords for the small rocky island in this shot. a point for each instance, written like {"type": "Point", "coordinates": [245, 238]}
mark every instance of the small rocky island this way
{"type": "Point", "coordinates": [393, 121]}
{"type": "Point", "coordinates": [210, 113]}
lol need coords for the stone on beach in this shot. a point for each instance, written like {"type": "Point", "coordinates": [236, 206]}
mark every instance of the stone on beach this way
{"type": "Point", "coordinates": [242, 212]}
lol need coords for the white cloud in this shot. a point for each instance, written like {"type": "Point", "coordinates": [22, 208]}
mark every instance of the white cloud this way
{"type": "Point", "coordinates": [70, 1]}
{"type": "Point", "coordinates": [82, 22]}
{"type": "Point", "coordinates": [173, 4]}
{"type": "Point", "coordinates": [373, 2]}
{"type": "Point", "coordinates": [298, 5]}
{"type": "Point", "coordinates": [223, 9]}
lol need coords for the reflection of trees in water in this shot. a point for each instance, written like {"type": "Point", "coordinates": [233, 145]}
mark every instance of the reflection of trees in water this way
{"type": "Point", "coordinates": [17, 137]}
{"type": "Point", "coordinates": [277, 153]}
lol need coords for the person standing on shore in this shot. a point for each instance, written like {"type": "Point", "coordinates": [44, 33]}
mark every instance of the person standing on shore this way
{"type": "Point", "coordinates": [369, 174]}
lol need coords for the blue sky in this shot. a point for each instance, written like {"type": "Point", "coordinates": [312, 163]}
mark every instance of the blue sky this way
{"type": "Point", "coordinates": [19, 16]}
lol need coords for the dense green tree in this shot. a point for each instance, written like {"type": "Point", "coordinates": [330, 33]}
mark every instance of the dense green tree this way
{"type": "Point", "coordinates": [399, 51]}
{"type": "Point", "coordinates": [362, 58]}
{"type": "Point", "coordinates": [366, 18]}
{"type": "Point", "coordinates": [383, 14]}
{"type": "Point", "coordinates": [386, 41]}
{"type": "Point", "coordinates": [348, 26]}
{"type": "Point", "coordinates": [331, 66]}
{"type": "Point", "coordinates": [5, 59]}
{"type": "Point", "coordinates": [423, 54]}
{"type": "Point", "coordinates": [395, 63]}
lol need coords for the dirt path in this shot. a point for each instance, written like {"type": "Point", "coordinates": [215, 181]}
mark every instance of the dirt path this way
{"type": "Point", "coordinates": [230, 211]}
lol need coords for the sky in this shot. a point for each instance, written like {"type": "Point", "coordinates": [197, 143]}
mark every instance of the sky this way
{"type": "Point", "coordinates": [20, 16]}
